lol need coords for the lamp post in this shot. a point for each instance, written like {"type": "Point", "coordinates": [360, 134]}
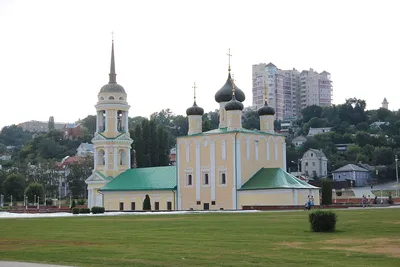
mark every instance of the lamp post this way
{"type": "Point", "coordinates": [397, 177]}
{"type": "Point", "coordinates": [298, 164]}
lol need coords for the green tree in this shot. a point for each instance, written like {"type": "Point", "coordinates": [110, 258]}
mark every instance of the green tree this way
{"type": "Point", "coordinates": [133, 122]}
{"type": "Point", "coordinates": [78, 172]}
{"type": "Point", "coordinates": [326, 190]}
{"type": "Point", "coordinates": [89, 123]}
{"type": "Point", "coordinates": [3, 176]}
{"type": "Point", "coordinates": [153, 144]}
{"type": "Point", "coordinates": [14, 136]}
{"type": "Point", "coordinates": [138, 146]}
{"type": "Point", "coordinates": [250, 119]}
{"type": "Point", "coordinates": [383, 156]}
{"type": "Point", "coordinates": [146, 139]}
{"type": "Point", "coordinates": [147, 203]}
{"type": "Point", "coordinates": [35, 189]}
{"type": "Point", "coordinates": [14, 185]}
{"type": "Point", "coordinates": [362, 138]}
{"type": "Point", "coordinates": [310, 112]}
{"type": "Point", "coordinates": [163, 148]}
{"type": "Point", "coordinates": [51, 124]}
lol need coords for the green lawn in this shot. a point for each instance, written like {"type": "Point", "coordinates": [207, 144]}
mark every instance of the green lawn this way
{"type": "Point", "coordinates": [368, 237]}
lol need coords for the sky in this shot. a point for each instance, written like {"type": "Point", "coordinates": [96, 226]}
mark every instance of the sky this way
{"type": "Point", "coordinates": [55, 55]}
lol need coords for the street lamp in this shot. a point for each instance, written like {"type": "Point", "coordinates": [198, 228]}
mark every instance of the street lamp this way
{"type": "Point", "coordinates": [298, 164]}
{"type": "Point", "coordinates": [397, 177]}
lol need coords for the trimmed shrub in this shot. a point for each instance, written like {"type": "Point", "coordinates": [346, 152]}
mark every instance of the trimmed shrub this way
{"type": "Point", "coordinates": [49, 202]}
{"type": "Point", "coordinates": [147, 203]}
{"type": "Point", "coordinates": [322, 221]}
{"type": "Point", "coordinates": [326, 188]}
{"type": "Point", "coordinates": [97, 210]}
{"type": "Point", "coordinates": [75, 211]}
{"type": "Point", "coordinates": [84, 211]}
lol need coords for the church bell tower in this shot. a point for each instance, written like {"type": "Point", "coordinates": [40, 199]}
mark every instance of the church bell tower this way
{"type": "Point", "coordinates": [112, 142]}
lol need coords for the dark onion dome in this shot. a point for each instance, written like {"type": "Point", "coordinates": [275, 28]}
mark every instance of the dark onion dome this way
{"type": "Point", "coordinates": [225, 93]}
{"type": "Point", "coordinates": [234, 104]}
{"type": "Point", "coordinates": [266, 110]}
{"type": "Point", "coordinates": [195, 110]}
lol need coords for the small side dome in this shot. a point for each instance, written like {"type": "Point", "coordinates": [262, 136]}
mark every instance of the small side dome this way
{"type": "Point", "coordinates": [266, 110]}
{"type": "Point", "coordinates": [195, 110]}
{"type": "Point", "coordinates": [225, 93]}
{"type": "Point", "coordinates": [234, 104]}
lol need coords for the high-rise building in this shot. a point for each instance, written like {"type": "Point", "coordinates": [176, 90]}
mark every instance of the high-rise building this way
{"type": "Point", "coordinates": [289, 91]}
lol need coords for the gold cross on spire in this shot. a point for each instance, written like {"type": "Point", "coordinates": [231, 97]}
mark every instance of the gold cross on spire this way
{"type": "Point", "coordinates": [112, 35]}
{"type": "Point", "coordinates": [194, 92]}
{"type": "Point", "coordinates": [229, 62]}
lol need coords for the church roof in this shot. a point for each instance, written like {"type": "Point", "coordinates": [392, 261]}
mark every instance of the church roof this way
{"type": "Point", "coordinates": [140, 179]}
{"type": "Point", "coordinates": [274, 178]}
{"type": "Point", "coordinates": [226, 131]}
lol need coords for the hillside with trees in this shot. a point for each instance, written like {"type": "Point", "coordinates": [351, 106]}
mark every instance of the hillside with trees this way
{"type": "Point", "coordinates": [35, 156]}
{"type": "Point", "coordinates": [367, 141]}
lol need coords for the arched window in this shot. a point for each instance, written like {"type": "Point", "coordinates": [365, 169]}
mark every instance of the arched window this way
{"type": "Point", "coordinates": [101, 98]}
{"type": "Point", "coordinates": [101, 157]}
{"type": "Point", "coordinates": [111, 98]}
{"type": "Point", "coordinates": [122, 157]}
{"type": "Point", "coordinates": [121, 98]}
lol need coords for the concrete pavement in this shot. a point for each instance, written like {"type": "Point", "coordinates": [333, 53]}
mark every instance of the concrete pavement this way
{"type": "Point", "coordinates": [26, 264]}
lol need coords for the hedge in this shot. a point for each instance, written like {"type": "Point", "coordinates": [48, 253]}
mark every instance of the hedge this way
{"type": "Point", "coordinates": [97, 210]}
{"type": "Point", "coordinates": [322, 221]}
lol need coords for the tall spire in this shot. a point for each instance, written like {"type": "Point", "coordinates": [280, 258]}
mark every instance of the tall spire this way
{"type": "Point", "coordinates": [229, 62]}
{"type": "Point", "coordinates": [113, 75]}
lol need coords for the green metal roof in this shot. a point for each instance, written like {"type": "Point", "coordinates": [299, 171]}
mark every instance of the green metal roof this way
{"type": "Point", "coordinates": [225, 130]}
{"type": "Point", "coordinates": [274, 178]}
{"type": "Point", "coordinates": [138, 179]}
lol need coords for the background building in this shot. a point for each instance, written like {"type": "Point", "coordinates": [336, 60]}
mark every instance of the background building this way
{"type": "Point", "coordinates": [289, 91]}
{"type": "Point", "coordinates": [314, 163]}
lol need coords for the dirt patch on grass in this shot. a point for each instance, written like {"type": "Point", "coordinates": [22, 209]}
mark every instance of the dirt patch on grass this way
{"type": "Point", "coordinates": [300, 245]}
{"type": "Point", "coordinates": [385, 246]}
{"type": "Point", "coordinates": [392, 222]}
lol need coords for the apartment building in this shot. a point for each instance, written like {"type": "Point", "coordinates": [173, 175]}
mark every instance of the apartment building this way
{"type": "Point", "coordinates": [289, 91]}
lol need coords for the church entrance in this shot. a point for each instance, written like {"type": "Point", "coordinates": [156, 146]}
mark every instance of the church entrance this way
{"type": "Point", "coordinates": [206, 206]}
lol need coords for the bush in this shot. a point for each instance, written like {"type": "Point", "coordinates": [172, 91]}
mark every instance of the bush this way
{"type": "Point", "coordinates": [147, 203]}
{"type": "Point", "coordinates": [81, 202]}
{"type": "Point", "coordinates": [322, 221]}
{"type": "Point", "coordinates": [84, 211]}
{"type": "Point", "coordinates": [35, 189]}
{"type": "Point", "coordinates": [73, 204]}
{"type": "Point", "coordinates": [75, 211]}
{"type": "Point", "coordinates": [97, 210]}
{"type": "Point", "coordinates": [49, 202]}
